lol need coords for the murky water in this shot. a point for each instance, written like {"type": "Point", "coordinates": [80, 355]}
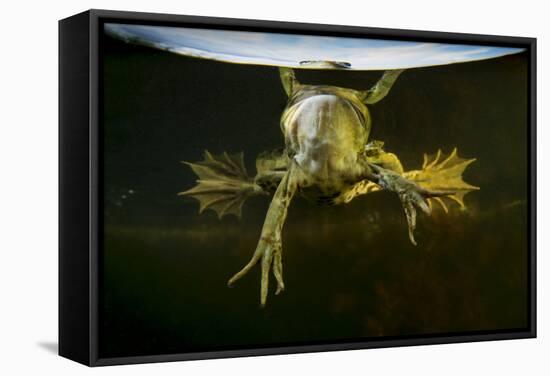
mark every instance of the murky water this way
{"type": "Point", "coordinates": [350, 271]}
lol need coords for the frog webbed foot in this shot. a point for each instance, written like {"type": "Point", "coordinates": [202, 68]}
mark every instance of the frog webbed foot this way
{"type": "Point", "coordinates": [223, 183]}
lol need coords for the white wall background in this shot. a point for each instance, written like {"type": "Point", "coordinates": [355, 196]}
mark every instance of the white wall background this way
{"type": "Point", "coordinates": [28, 185]}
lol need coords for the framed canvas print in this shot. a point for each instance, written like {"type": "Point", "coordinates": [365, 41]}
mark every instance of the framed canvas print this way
{"type": "Point", "coordinates": [356, 187]}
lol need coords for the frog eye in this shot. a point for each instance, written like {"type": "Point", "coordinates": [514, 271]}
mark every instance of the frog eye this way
{"type": "Point", "coordinates": [324, 64]}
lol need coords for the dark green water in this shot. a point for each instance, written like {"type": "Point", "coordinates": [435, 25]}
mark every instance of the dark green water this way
{"type": "Point", "coordinates": [350, 271]}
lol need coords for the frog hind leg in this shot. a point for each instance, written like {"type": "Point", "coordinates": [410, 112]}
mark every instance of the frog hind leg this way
{"type": "Point", "coordinates": [440, 180]}
{"type": "Point", "coordinates": [269, 248]}
{"type": "Point", "coordinates": [223, 184]}
{"type": "Point", "coordinates": [271, 167]}
{"type": "Point", "coordinates": [375, 154]}
{"type": "Point", "coordinates": [439, 173]}
{"type": "Point", "coordinates": [444, 173]}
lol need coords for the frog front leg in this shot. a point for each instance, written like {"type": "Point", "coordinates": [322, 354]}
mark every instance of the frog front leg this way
{"type": "Point", "coordinates": [269, 248]}
{"type": "Point", "coordinates": [412, 195]}
{"type": "Point", "coordinates": [382, 87]}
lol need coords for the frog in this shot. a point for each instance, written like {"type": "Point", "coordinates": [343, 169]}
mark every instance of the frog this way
{"type": "Point", "coordinates": [327, 157]}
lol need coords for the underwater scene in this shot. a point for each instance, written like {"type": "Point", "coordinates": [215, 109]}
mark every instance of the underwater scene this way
{"type": "Point", "coordinates": [413, 224]}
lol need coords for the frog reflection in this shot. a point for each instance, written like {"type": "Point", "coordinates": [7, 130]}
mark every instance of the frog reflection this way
{"type": "Point", "coordinates": [327, 157]}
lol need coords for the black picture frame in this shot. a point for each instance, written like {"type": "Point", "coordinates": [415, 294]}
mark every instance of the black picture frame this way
{"type": "Point", "coordinates": [80, 177]}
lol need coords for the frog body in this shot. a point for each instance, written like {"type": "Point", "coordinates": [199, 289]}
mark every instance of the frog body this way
{"type": "Point", "coordinates": [327, 157]}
